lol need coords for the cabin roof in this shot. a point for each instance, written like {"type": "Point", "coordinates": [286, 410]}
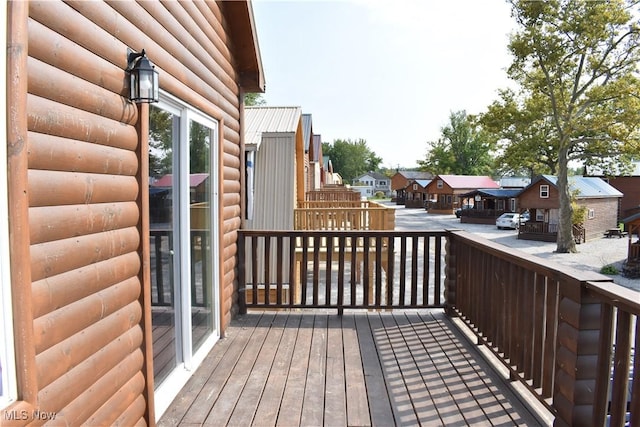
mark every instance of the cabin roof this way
{"type": "Point", "coordinates": [468, 181]}
{"type": "Point", "coordinates": [306, 131]}
{"type": "Point", "coordinates": [498, 193]}
{"type": "Point", "coordinates": [587, 187]}
{"type": "Point", "coordinates": [259, 120]}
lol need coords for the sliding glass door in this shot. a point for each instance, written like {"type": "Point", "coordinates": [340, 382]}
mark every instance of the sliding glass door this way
{"type": "Point", "coordinates": [183, 237]}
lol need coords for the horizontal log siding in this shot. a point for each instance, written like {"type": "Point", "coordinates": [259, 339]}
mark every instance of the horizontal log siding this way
{"type": "Point", "coordinates": [84, 220]}
{"type": "Point", "coordinates": [83, 180]}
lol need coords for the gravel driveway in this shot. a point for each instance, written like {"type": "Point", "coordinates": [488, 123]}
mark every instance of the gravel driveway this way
{"type": "Point", "coordinates": [592, 255]}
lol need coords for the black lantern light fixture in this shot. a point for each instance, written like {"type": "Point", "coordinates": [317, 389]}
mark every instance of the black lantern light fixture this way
{"type": "Point", "coordinates": [143, 78]}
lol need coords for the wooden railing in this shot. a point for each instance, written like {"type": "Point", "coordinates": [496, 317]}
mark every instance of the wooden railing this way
{"type": "Point", "coordinates": [551, 326]}
{"type": "Point", "coordinates": [333, 194]}
{"type": "Point", "coordinates": [344, 219]}
{"type": "Point", "coordinates": [340, 269]}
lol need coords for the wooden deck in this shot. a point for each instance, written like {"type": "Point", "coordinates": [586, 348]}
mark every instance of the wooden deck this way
{"type": "Point", "coordinates": [365, 368]}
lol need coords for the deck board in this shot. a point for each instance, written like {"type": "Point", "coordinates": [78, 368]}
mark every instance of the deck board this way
{"type": "Point", "coordinates": [363, 368]}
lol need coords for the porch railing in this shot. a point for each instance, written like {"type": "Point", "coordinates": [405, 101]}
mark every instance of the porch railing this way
{"type": "Point", "coordinates": [340, 269]}
{"type": "Point", "coordinates": [344, 218]}
{"type": "Point", "coordinates": [551, 326]}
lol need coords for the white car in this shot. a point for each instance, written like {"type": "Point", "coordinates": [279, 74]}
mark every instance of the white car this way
{"type": "Point", "coordinates": [508, 220]}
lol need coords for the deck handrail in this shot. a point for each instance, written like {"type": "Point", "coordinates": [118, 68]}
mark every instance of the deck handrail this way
{"type": "Point", "coordinates": [344, 218]}
{"type": "Point", "coordinates": [550, 325]}
{"type": "Point", "coordinates": [340, 269]}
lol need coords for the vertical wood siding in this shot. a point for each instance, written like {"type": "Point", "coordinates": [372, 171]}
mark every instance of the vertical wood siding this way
{"type": "Point", "coordinates": [85, 183]}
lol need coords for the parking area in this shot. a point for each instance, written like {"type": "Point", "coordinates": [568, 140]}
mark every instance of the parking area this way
{"type": "Point", "coordinates": [592, 255]}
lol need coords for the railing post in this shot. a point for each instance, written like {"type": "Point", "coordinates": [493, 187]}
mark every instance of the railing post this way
{"type": "Point", "coordinates": [582, 371]}
{"type": "Point", "coordinates": [450, 273]}
{"type": "Point", "coordinates": [242, 281]}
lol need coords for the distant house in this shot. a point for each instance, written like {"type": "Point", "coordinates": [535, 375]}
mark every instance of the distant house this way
{"type": "Point", "coordinates": [400, 180]}
{"type": "Point", "coordinates": [415, 192]}
{"type": "Point", "coordinates": [375, 180]}
{"type": "Point", "coordinates": [542, 200]}
{"type": "Point", "coordinates": [445, 191]}
{"type": "Point", "coordinates": [488, 204]}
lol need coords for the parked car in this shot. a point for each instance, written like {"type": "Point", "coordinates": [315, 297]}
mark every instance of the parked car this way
{"type": "Point", "coordinates": [459, 210]}
{"type": "Point", "coordinates": [508, 220]}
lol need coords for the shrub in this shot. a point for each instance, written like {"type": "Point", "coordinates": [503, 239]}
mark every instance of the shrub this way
{"type": "Point", "coordinates": [609, 269]}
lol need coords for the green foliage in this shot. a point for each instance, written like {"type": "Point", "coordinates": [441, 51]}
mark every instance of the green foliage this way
{"type": "Point", "coordinates": [160, 142]}
{"type": "Point", "coordinates": [351, 158]}
{"type": "Point", "coordinates": [254, 99]}
{"type": "Point", "coordinates": [576, 64]}
{"type": "Point", "coordinates": [463, 149]}
{"type": "Point", "coordinates": [579, 215]}
{"type": "Point", "coordinates": [609, 269]}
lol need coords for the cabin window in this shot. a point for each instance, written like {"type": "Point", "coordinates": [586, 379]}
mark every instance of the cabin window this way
{"type": "Point", "coordinates": [544, 191]}
{"type": "Point", "coordinates": [439, 184]}
{"type": "Point", "coordinates": [415, 186]}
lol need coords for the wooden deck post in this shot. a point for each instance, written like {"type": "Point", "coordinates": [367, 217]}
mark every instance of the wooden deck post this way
{"type": "Point", "coordinates": [582, 358]}
{"type": "Point", "coordinates": [450, 274]}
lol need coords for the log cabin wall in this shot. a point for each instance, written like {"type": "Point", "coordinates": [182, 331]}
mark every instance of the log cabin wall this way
{"type": "Point", "coordinates": [78, 188]}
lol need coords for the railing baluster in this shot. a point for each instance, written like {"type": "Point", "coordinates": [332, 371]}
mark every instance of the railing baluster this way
{"type": "Point", "coordinates": [620, 369]}
{"type": "Point", "coordinates": [414, 271]}
{"type": "Point", "coordinates": [438, 270]}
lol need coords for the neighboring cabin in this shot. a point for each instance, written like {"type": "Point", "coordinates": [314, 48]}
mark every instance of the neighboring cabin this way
{"type": "Point", "coordinates": [95, 340]}
{"type": "Point", "coordinates": [400, 180]}
{"type": "Point", "coordinates": [486, 205]}
{"type": "Point", "coordinates": [445, 191]}
{"type": "Point", "coordinates": [542, 200]}
{"type": "Point", "coordinates": [415, 193]}
{"type": "Point", "coordinates": [275, 142]}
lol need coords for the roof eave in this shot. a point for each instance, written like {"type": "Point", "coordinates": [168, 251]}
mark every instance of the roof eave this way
{"type": "Point", "coordinates": [242, 28]}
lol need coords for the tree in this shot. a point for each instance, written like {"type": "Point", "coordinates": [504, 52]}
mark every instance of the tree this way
{"type": "Point", "coordinates": [351, 158]}
{"type": "Point", "coordinates": [160, 142]}
{"type": "Point", "coordinates": [523, 132]}
{"type": "Point", "coordinates": [254, 99]}
{"type": "Point", "coordinates": [463, 149]}
{"type": "Point", "coordinates": [576, 62]}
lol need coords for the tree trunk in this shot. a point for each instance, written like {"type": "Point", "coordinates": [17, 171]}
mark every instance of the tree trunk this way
{"type": "Point", "coordinates": [565, 241]}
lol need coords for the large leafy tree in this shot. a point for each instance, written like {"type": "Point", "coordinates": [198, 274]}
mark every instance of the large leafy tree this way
{"type": "Point", "coordinates": [576, 63]}
{"type": "Point", "coordinates": [351, 158]}
{"type": "Point", "coordinates": [524, 132]}
{"type": "Point", "coordinates": [463, 149]}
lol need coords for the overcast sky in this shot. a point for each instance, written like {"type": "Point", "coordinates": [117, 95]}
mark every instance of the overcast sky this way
{"type": "Point", "coordinates": [389, 72]}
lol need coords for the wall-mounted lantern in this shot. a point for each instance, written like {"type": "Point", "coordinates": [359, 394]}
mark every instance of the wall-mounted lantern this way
{"type": "Point", "coordinates": [143, 78]}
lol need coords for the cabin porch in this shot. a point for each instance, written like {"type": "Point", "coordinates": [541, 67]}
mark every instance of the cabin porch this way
{"type": "Point", "coordinates": [398, 350]}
